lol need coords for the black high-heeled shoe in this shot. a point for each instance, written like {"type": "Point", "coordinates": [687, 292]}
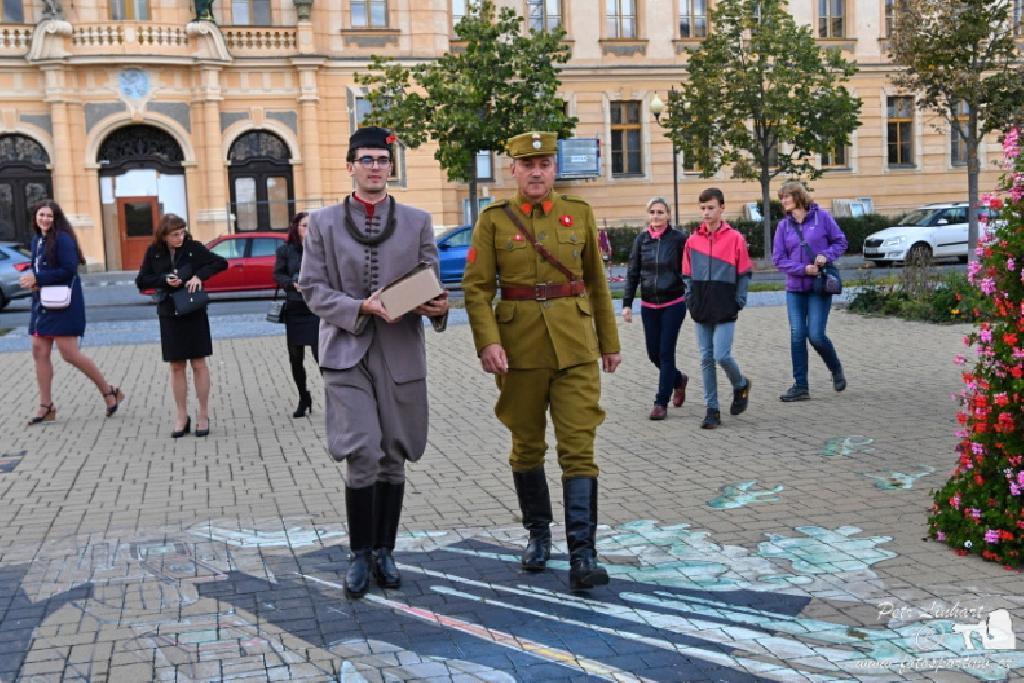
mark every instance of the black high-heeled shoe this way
{"type": "Point", "coordinates": [184, 430]}
{"type": "Point", "coordinates": [305, 404]}
{"type": "Point", "coordinates": [200, 433]}
{"type": "Point", "coordinates": [49, 416]}
{"type": "Point", "coordinates": [117, 395]}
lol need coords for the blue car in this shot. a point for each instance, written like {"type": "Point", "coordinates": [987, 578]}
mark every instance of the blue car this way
{"type": "Point", "coordinates": [14, 262]}
{"type": "Point", "coordinates": [452, 247]}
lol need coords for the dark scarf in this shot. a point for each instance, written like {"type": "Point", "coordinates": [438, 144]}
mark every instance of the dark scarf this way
{"type": "Point", "coordinates": [374, 240]}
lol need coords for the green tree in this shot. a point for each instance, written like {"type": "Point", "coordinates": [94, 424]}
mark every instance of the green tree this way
{"type": "Point", "coordinates": [763, 97]}
{"type": "Point", "coordinates": [961, 60]}
{"type": "Point", "coordinates": [501, 82]}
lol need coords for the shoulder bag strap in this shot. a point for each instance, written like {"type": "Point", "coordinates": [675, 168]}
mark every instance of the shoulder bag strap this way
{"type": "Point", "coordinates": [800, 234]}
{"type": "Point", "coordinates": [544, 253]}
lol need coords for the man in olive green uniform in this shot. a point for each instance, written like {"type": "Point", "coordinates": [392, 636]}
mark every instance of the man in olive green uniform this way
{"type": "Point", "coordinates": [542, 340]}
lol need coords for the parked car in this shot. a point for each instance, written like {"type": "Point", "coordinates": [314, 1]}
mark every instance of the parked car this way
{"type": "Point", "coordinates": [452, 247]}
{"type": "Point", "coordinates": [931, 231]}
{"type": "Point", "coordinates": [14, 262]}
{"type": "Point", "coordinates": [250, 257]}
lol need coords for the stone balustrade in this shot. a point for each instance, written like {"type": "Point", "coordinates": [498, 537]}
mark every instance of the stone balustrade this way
{"type": "Point", "coordinates": [15, 39]}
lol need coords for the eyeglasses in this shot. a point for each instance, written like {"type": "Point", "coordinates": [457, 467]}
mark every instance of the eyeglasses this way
{"type": "Point", "coordinates": [369, 162]}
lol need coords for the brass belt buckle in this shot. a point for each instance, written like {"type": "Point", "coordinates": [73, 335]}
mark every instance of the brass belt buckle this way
{"type": "Point", "coordinates": [540, 292]}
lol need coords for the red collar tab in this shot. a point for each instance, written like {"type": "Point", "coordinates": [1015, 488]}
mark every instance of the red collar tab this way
{"type": "Point", "coordinates": [546, 206]}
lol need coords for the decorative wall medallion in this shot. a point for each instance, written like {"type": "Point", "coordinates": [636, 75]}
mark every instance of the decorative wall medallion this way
{"type": "Point", "coordinates": [134, 83]}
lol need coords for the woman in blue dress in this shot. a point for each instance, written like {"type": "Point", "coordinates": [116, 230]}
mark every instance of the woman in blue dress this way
{"type": "Point", "coordinates": [55, 260]}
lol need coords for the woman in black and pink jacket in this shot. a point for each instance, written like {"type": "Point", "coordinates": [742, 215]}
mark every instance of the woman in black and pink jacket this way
{"type": "Point", "coordinates": [655, 263]}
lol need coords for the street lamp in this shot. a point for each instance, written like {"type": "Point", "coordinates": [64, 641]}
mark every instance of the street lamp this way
{"type": "Point", "coordinates": [657, 107]}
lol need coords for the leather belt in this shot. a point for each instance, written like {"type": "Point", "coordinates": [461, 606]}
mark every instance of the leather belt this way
{"type": "Point", "coordinates": [543, 292]}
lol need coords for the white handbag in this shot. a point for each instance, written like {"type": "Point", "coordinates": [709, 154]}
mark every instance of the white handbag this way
{"type": "Point", "coordinates": [55, 297]}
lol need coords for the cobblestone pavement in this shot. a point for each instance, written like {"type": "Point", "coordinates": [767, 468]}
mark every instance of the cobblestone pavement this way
{"type": "Point", "coordinates": [785, 546]}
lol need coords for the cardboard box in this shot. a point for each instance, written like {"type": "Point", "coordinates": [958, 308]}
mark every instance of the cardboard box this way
{"type": "Point", "coordinates": [416, 287]}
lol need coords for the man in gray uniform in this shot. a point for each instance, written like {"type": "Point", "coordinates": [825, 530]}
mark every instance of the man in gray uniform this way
{"type": "Point", "coordinates": [374, 367]}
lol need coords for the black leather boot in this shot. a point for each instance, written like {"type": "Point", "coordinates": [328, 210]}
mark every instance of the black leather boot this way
{"type": "Point", "coordinates": [359, 507]}
{"type": "Point", "coordinates": [305, 403]}
{"type": "Point", "coordinates": [580, 497]}
{"type": "Point", "coordinates": [535, 504]}
{"type": "Point", "coordinates": [387, 510]}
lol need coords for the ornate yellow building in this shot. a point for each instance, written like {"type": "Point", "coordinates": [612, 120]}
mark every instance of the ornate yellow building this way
{"type": "Point", "coordinates": [122, 109]}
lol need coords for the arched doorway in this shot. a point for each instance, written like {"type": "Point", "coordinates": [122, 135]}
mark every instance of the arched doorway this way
{"type": "Point", "coordinates": [24, 180]}
{"type": "Point", "coordinates": [141, 177]}
{"type": "Point", "coordinates": [260, 174]}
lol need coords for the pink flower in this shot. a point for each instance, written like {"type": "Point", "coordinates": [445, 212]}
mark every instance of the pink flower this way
{"type": "Point", "coordinates": [1014, 490]}
{"type": "Point", "coordinates": [960, 359]}
{"type": "Point", "coordinates": [985, 335]}
{"type": "Point", "coordinates": [977, 448]}
{"type": "Point", "coordinates": [940, 535]}
{"type": "Point", "coordinates": [1011, 265]}
{"type": "Point", "coordinates": [988, 286]}
{"type": "Point", "coordinates": [992, 536]}
{"type": "Point", "coordinates": [1020, 478]}
{"type": "Point", "coordinates": [975, 513]}
{"type": "Point", "coordinates": [955, 501]}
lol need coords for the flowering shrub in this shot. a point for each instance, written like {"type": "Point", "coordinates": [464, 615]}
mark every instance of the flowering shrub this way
{"type": "Point", "coordinates": [981, 508]}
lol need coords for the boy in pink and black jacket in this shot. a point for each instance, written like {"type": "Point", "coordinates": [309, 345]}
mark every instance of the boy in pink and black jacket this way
{"type": "Point", "coordinates": [717, 270]}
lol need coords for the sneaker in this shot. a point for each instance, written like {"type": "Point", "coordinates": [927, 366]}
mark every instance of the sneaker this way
{"type": "Point", "coordinates": [712, 419]}
{"type": "Point", "coordinates": [658, 412]}
{"type": "Point", "coordinates": [838, 380]}
{"type": "Point", "coordinates": [679, 392]}
{"type": "Point", "coordinates": [796, 393]}
{"type": "Point", "coordinates": [740, 398]}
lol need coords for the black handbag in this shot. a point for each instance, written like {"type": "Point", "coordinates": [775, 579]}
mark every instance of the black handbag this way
{"type": "Point", "coordinates": [186, 302]}
{"type": "Point", "coordinates": [828, 281]}
{"type": "Point", "coordinates": [275, 314]}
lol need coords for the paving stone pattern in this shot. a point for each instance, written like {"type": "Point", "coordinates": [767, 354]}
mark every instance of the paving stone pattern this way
{"type": "Point", "coordinates": [128, 556]}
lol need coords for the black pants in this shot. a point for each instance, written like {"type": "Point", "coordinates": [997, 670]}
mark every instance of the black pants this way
{"type": "Point", "coordinates": [295, 357]}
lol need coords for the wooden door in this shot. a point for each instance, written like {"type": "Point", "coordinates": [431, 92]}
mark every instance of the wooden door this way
{"type": "Point", "coordinates": [137, 218]}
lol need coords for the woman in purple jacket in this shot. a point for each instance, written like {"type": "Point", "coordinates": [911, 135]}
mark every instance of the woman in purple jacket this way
{"type": "Point", "coordinates": [805, 240]}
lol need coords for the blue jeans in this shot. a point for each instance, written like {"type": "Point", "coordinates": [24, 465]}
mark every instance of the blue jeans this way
{"type": "Point", "coordinates": [808, 315]}
{"type": "Point", "coordinates": [715, 342]}
{"type": "Point", "coordinates": [661, 330]}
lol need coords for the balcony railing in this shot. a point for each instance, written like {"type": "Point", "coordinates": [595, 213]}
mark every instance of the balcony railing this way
{"type": "Point", "coordinates": [15, 39]}
{"type": "Point", "coordinates": [251, 40]}
{"type": "Point", "coordinates": [129, 37]}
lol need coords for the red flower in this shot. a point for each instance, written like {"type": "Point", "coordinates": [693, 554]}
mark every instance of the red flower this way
{"type": "Point", "coordinates": [1006, 535]}
{"type": "Point", "coordinates": [978, 480]}
{"type": "Point", "coordinates": [1010, 338]}
{"type": "Point", "coordinates": [1016, 372]}
{"type": "Point", "coordinates": [566, 220]}
{"type": "Point", "coordinates": [995, 203]}
{"type": "Point", "coordinates": [390, 139]}
{"type": "Point", "coordinates": [961, 552]}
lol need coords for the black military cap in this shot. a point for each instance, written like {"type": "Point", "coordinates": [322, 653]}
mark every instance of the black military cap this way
{"type": "Point", "coordinates": [371, 137]}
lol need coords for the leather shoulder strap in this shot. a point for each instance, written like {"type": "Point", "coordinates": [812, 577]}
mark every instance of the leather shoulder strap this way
{"type": "Point", "coordinates": [544, 253]}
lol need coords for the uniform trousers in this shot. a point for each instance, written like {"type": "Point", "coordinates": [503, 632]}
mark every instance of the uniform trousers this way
{"type": "Point", "coordinates": [373, 423]}
{"type": "Point", "coordinates": [572, 395]}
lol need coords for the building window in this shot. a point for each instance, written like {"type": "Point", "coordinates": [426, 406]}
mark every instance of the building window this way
{"type": "Point", "coordinates": [831, 18]}
{"type": "Point", "coordinates": [957, 145]}
{"type": "Point", "coordinates": [250, 12]}
{"type": "Point", "coordinates": [369, 14]}
{"type": "Point", "coordinates": [543, 15]}
{"type": "Point", "coordinates": [620, 18]}
{"type": "Point", "coordinates": [13, 12]}
{"type": "Point", "coordinates": [900, 131]}
{"type": "Point", "coordinates": [360, 110]}
{"type": "Point", "coordinates": [627, 157]}
{"type": "Point", "coordinates": [693, 19]}
{"type": "Point", "coordinates": [1018, 17]}
{"type": "Point", "coordinates": [484, 165]}
{"type": "Point", "coordinates": [835, 157]}
{"type": "Point", "coordinates": [129, 10]}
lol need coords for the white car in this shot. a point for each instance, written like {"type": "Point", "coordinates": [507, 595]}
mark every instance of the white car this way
{"type": "Point", "coordinates": [931, 231]}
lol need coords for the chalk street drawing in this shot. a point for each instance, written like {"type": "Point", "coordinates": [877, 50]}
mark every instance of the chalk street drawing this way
{"type": "Point", "coordinates": [8, 461]}
{"type": "Point", "coordinates": [899, 480]}
{"type": "Point", "coordinates": [740, 495]}
{"type": "Point", "coordinates": [295, 537]}
{"type": "Point", "coordinates": [847, 445]}
{"type": "Point", "coordinates": [467, 612]}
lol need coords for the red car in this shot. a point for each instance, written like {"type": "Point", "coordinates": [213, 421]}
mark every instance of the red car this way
{"type": "Point", "coordinates": [250, 257]}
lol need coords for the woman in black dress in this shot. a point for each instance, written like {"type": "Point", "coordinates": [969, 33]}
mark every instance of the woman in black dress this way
{"type": "Point", "coordinates": [173, 261]}
{"type": "Point", "coordinates": [301, 324]}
